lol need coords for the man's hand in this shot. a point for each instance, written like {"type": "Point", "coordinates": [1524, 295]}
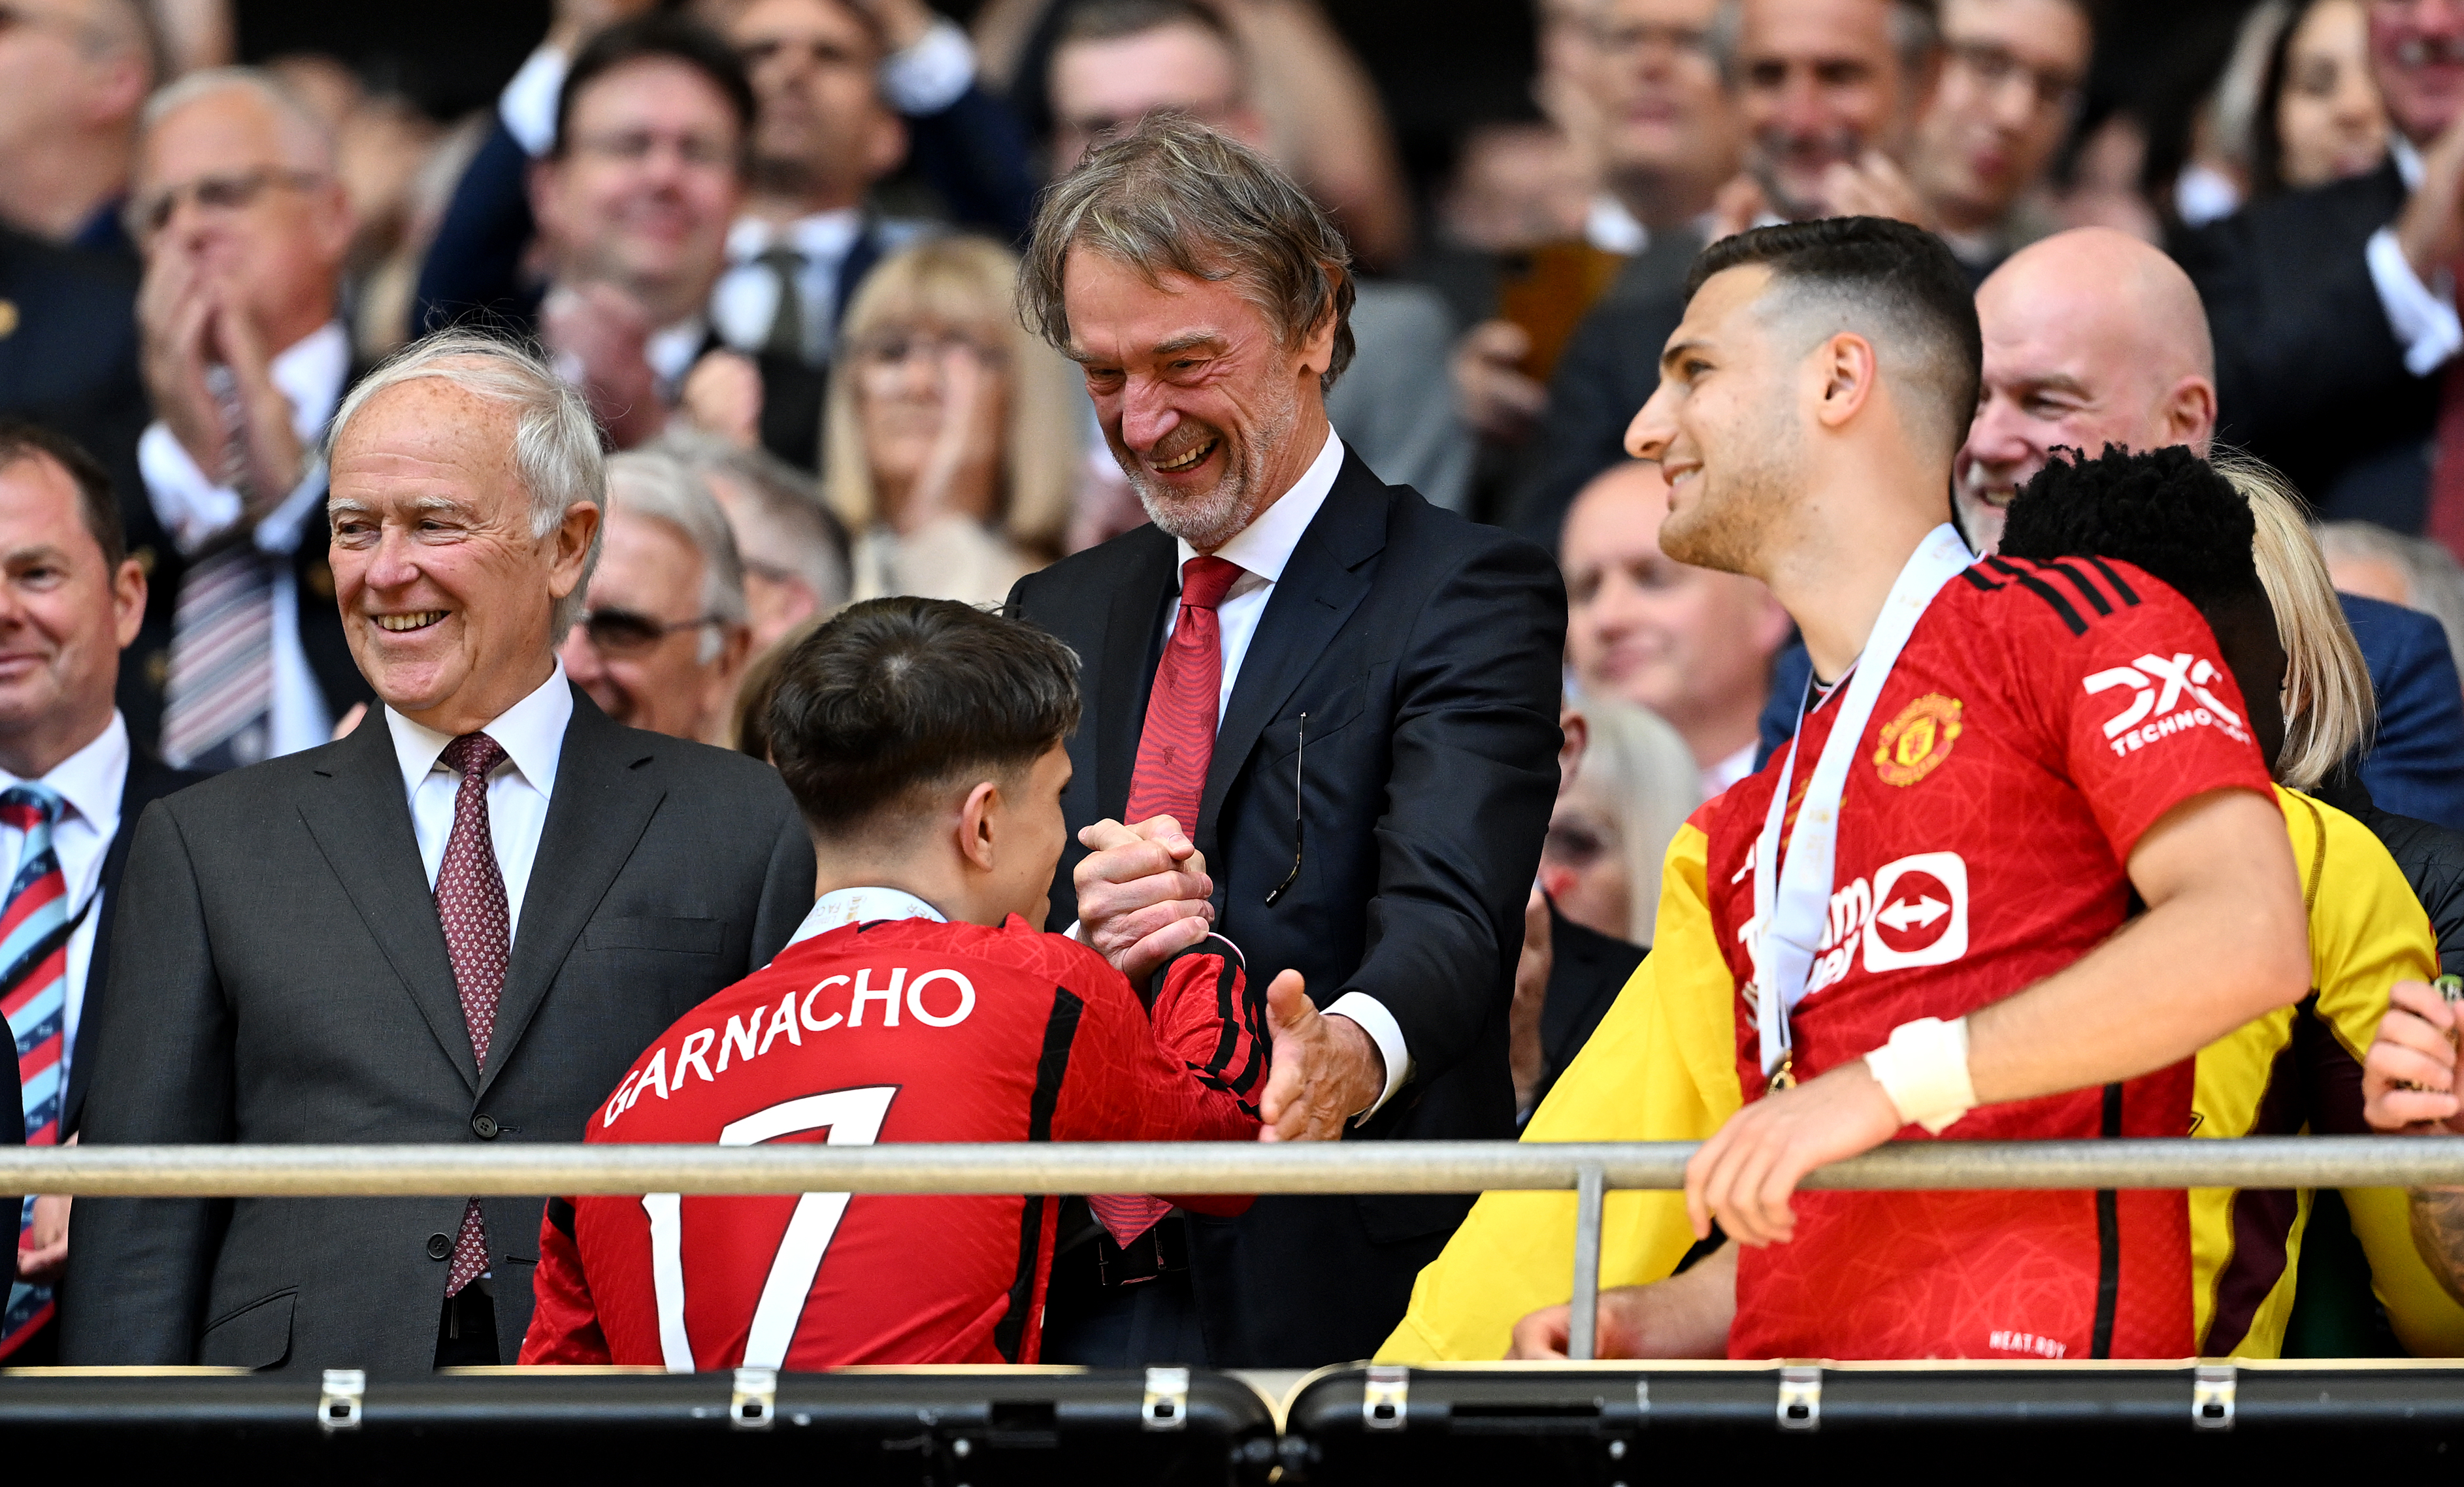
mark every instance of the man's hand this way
{"type": "Point", "coordinates": [722, 395]}
{"type": "Point", "coordinates": [1498, 400]}
{"type": "Point", "coordinates": [2409, 1076]}
{"type": "Point", "coordinates": [272, 459]}
{"type": "Point", "coordinates": [1874, 185]}
{"type": "Point", "coordinates": [1524, 1057]}
{"type": "Point", "coordinates": [2431, 228]}
{"type": "Point", "coordinates": [1685, 1316]}
{"type": "Point", "coordinates": [1737, 207]}
{"type": "Point", "coordinates": [600, 338]}
{"type": "Point", "coordinates": [1324, 1070]}
{"type": "Point", "coordinates": [45, 1254]}
{"type": "Point", "coordinates": [1743, 1174]}
{"type": "Point", "coordinates": [174, 321]}
{"type": "Point", "coordinates": [1143, 894]}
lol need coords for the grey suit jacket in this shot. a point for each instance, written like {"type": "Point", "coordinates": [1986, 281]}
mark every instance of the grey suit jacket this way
{"type": "Point", "coordinates": [278, 974]}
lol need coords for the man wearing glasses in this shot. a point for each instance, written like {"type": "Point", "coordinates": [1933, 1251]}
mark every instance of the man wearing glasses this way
{"type": "Point", "coordinates": [2010, 77]}
{"type": "Point", "coordinates": [243, 227]}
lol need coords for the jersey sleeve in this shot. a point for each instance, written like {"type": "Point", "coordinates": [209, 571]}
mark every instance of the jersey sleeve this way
{"type": "Point", "coordinates": [1207, 1012]}
{"type": "Point", "coordinates": [564, 1322]}
{"type": "Point", "coordinates": [2146, 714]}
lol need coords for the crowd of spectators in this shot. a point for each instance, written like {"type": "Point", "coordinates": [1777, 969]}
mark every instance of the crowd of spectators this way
{"type": "Point", "coordinates": [773, 248]}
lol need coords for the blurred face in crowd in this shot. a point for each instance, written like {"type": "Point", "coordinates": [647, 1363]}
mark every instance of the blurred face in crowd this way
{"type": "Point", "coordinates": [643, 192]}
{"type": "Point", "coordinates": [446, 595]}
{"type": "Point", "coordinates": [64, 616]}
{"type": "Point", "coordinates": [68, 65]}
{"type": "Point", "coordinates": [2417, 58]}
{"type": "Point", "coordinates": [777, 597]}
{"type": "Point", "coordinates": [1690, 645]}
{"type": "Point", "coordinates": [237, 196]}
{"type": "Point", "coordinates": [2329, 117]}
{"type": "Point", "coordinates": [2371, 576]}
{"type": "Point", "coordinates": [2091, 338]}
{"type": "Point", "coordinates": [1205, 408]}
{"type": "Point", "coordinates": [822, 127]}
{"type": "Point", "coordinates": [1101, 86]}
{"type": "Point", "coordinates": [1657, 90]}
{"type": "Point", "coordinates": [646, 651]}
{"type": "Point", "coordinates": [932, 401]}
{"type": "Point", "coordinates": [1583, 861]}
{"type": "Point", "coordinates": [2010, 77]}
{"type": "Point", "coordinates": [1818, 83]}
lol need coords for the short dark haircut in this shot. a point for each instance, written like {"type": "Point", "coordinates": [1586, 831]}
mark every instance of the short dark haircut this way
{"type": "Point", "coordinates": [1895, 284]}
{"type": "Point", "coordinates": [2164, 511]}
{"type": "Point", "coordinates": [661, 34]}
{"type": "Point", "coordinates": [21, 440]}
{"type": "Point", "coordinates": [897, 697]}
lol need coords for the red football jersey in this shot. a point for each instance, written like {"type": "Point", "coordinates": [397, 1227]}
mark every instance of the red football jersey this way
{"type": "Point", "coordinates": [895, 1029]}
{"type": "Point", "coordinates": [2042, 717]}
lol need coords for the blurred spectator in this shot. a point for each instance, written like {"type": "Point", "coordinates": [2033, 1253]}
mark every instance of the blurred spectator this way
{"type": "Point", "coordinates": [795, 553]}
{"type": "Point", "coordinates": [1692, 645]}
{"type": "Point", "coordinates": [663, 638]}
{"type": "Point", "coordinates": [2010, 76]}
{"type": "Point", "coordinates": [382, 310]}
{"type": "Point", "coordinates": [1634, 786]}
{"type": "Point", "coordinates": [1117, 61]}
{"type": "Point", "coordinates": [2319, 116]}
{"type": "Point", "coordinates": [952, 432]}
{"type": "Point", "coordinates": [2102, 187]}
{"type": "Point", "coordinates": [2214, 180]}
{"type": "Point", "coordinates": [73, 75]}
{"type": "Point", "coordinates": [244, 228]}
{"type": "Point", "coordinates": [68, 354]}
{"type": "Point", "coordinates": [196, 34]}
{"type": "Point", "coordinates": [2414, 572]}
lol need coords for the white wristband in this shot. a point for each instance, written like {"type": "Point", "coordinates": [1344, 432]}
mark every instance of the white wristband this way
{"type": "Point", "coordinates": [1924, 1068]}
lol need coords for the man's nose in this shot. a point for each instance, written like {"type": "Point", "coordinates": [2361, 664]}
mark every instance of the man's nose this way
{"type": "Point", "coordinates": [1647, 436]}
{"type": "Point", "coordinates": [1147, 415]}
{"type": "Point", "coordinates": [2000, 436]}
{"type": "Point", "coordinates": [1798, 109]}
{"type": "Point", "coordinates": [392, 562]}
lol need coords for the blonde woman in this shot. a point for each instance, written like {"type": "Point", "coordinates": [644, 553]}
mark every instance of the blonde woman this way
{"type": "Point", "coordinates": [951, 436]}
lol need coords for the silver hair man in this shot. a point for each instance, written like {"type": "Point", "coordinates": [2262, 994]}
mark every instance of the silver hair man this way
{"type": "Point", "coordinates": [655, 484]}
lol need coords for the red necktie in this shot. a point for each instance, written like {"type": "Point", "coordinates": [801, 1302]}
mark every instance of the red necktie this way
{"type": "Point", "coordinates": [478, 937]}
{"type": "Point", "coordinates": [2446, 523]}
{"type": "Point", "coordinates": [1174, 752]}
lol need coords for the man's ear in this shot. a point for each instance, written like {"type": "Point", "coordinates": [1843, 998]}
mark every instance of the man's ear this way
{"type": "Point", "coordinates": [978, 822]}
{"type": "Point", "coordinates": [1845, 368]}
{"type": "Point", "coordinates": [2191, 414]}
{"type": "Point", "coordinates": [1317, 350]}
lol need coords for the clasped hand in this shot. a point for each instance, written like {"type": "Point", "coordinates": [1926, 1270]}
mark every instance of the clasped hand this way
{"type": "Point", "coordinates": [2409, 1075]}
{"type": "Point", "coordinates": [1743, 1174]}
{"type": "Point", "coordinates": [194, 321]}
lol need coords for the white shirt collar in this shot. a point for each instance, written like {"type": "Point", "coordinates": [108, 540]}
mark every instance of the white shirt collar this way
{"type": "Point", "coordinates": [672, 350]}
{"type": "Point", "coordinates": [2408, 161]}
{"type": "Point", "coordinates": [822, 237]}
{"type": "Point", "coordinates": [310, 372]}
{"type": "Point", "coordinates": [1265, 544]}
{"type": "Point", "coordinates": [531, 732]}
{"type": "Point", "coordinates": [93, 779]}
{"type": "Point", "coordinates": [843, 906]}
{"type": "Point", "coordinates": [1610, 227]}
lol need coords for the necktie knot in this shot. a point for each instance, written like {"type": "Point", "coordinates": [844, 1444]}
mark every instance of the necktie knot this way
{"type": "Point", "coordinates": [28, 805]}
{"type": "Point", "coordinates": [1204, 580]}
{"type": "Point", "coordinates": [472, 756]}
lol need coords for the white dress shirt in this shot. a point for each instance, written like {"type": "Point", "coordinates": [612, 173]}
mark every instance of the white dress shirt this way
{"type": "Point", "coordinates": [532, 733]}
{"type": "Point", "coordinates": [91, 781]}
{"type": "Point", "coordinates": [195, 510]}
{"type": "Point", "coordinates": [1261, 550]}
{"type": "Point", "coordinates": [1609, 226]}
{"type": "Point", "coordinates": [2422, 316]}
{"type": "Point", "coordinates": [745, 300]}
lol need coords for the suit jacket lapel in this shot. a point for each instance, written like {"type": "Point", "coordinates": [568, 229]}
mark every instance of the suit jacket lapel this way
{"type": "Point", "coordinates": [1318, 591]}
{"type": "Point", "coordinates": [1128, 672]}
{"type": "Point", "coordinates": [606, 789]}
{"type": "Point", "coordinates": [360, 820]}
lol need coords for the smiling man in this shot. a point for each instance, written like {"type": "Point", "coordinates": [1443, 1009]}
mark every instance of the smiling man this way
{"type": "Point", "coordinates": [1323, 718]}
{"type": "Point", "coordinates": [461, 922]}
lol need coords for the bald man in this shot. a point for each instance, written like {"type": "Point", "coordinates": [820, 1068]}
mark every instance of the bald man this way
{"type": "Point", "coordinates": [2094, 337]}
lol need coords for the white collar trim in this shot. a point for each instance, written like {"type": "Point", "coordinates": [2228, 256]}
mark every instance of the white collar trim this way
{"type": "Point", "coordinates": [840, 908]}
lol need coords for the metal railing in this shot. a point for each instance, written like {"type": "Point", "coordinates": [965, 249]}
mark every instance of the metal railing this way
{"type": "Point", "coordinates": [1591, 1169]}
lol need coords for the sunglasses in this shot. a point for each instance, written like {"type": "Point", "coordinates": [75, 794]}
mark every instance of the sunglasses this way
{"type": "Point", "coordinates": [624, 632]}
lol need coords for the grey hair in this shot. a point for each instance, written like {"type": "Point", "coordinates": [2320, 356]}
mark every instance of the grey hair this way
{"type": "Point", "coordinates": [304, 132]}
{"type": "Point", "coordinates": [2329, 710]}
{"type": "Point", "coordinates": [1175, 195]}
{"type": "Point", "coordinates": [1915, 27]}
{"type": "Point", "coordinates": [557, 452]}
{"type": "Point", "coordinates": [655, 484]}
{"type": "Point", "coordinates": [2433, 581]}
{"type": "Point", "coordinates": [781, 519]}
{"type": "Point", "coordinates": [1639, 765]}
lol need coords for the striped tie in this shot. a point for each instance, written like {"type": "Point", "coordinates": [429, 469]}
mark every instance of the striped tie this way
{"type": "Point", "coordinates": [35, 928]}
{"type": "Point", "coordinates": [218, 715]}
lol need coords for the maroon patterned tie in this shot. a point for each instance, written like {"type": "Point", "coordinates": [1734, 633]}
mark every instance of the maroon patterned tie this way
{"type": "Point", "coordinates": [479, 936]}
{"type": "Point", "coordinates": [1170, 778]}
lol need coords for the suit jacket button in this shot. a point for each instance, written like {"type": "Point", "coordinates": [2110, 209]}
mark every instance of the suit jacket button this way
{"type": "Point", "coordinates": [485, 1125]}
{"type": "Point", "coordinates": [439, 1246]}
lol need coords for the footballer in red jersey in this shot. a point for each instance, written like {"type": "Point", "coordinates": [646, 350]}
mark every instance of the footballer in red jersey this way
{"type": "Point", "coordinates": [923, 741]}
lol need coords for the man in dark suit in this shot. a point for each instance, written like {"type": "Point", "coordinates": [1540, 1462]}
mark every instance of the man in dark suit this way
{"type": "Point", "coordinates": [1368, 811]}
{"type": "Point", "coordinates": [71, 785]}
{"type": "Point", "coordinates": [461, 922]}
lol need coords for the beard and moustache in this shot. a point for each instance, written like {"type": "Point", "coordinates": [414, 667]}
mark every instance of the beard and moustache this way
{"type": "Point", "coordinates": [1208, 519]}
{"type": "Point", "coordinates": [1731, 522]}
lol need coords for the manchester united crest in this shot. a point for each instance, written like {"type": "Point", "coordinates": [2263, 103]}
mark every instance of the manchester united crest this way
{"type": "Point", "coordinates": [1916, 742]}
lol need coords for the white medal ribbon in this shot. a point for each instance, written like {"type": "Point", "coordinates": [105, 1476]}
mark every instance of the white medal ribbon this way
{"type": "Point", "coordinates": [1791, 907]}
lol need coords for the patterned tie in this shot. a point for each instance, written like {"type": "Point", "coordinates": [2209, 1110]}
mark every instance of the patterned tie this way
{"type": "Point", "coordinates": [219, 708]}
{"type": "Point", "coordinates": [34, 931]}
{"type": "Point", "coordinates": [786, 336]}
{"type": "Point", "coordinates": [479, 936]}
{"type": "Point", "coordinates": [1170, 778]}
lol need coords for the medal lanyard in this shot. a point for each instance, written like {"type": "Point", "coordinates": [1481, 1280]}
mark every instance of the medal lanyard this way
{"type": "Point", "coordinates": [1792, 905]}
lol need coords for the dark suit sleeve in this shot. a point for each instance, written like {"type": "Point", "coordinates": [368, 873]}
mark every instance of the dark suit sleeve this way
{"type": "Point", "coordinates": [974, 153]}
{"type": "Point", "coordinates": [139, 1267]}
{"type": "Point", "coordinates": [2415, 763]}
{"type": "Point", "coordinates": [787, 888]}
{"type": "Point", "coordinates": [1473, 776]}
{"type": "Point", "coordinates": [474, 265]}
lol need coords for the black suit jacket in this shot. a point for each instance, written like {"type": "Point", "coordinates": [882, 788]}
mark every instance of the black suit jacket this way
{"type": "Point", "coordinates": [1586, 970]}
{"type": "Point", "coordinates": [1425, 652]}
{"type": "Point", "coordinates": [279, 976]}
{"type": "Point", "coordinates": [2309, 376]}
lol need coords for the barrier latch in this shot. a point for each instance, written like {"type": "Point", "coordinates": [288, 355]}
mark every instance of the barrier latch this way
{"type": "Point", "coordinates": [338, 1408]}
{"type": "Point", "coordinates": [2211, 1398]}
{"type": "Point", "coordinates": [1385, 1399]}
{"type": "Point", "coordinates": [754, 1405]}
{"type": "Point", "coordinates": [1801, 1398]}
{"type": "Point", "coordinates": [1167, 1402]}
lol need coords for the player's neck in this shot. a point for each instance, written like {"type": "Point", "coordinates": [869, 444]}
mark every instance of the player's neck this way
{"type": "Point", "coordinates": [1835, 579]}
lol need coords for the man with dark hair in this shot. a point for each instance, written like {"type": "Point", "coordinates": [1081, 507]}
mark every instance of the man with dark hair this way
{"type": "Point", "coordinates": [1324, 722]}
{"type": "Point", "coordinates": [925, 743]}
{"type": "Point", "coordinates": [71, 785]}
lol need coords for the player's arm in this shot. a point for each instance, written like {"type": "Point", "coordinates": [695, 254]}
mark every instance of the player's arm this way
{"type": "Point", "coordinates": [564, 1322]}
{"type": "Point", "coordinates": [1207, 1015]}
{"type": "Point", "coordinates": [1685, 1315]}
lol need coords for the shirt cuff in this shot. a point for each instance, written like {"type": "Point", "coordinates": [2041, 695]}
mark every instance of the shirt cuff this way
{"type": "Point", "coordinates": [1386, 1033]}
{"type": "Point", "coordinates": [2422, 316]}
{"type": "Point", "coordinates": [528, 104]}
{"type": "Point", "coordinates": [191, 507]}
{"type": "Point", "coordinates": [932, 75]}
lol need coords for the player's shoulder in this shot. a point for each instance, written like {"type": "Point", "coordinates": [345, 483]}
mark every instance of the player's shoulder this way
{"type": "Point", "coordinates": [2075, 596]}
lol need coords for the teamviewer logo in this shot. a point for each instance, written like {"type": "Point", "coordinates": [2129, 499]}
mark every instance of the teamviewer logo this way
{"type": "Point", "coordinates": [1921, 912]}
{"type": "Point", "coordinates": [2166, 698]}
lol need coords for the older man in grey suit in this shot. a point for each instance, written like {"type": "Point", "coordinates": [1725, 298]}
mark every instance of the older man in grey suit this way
{"type": "Point", "coordinates": [459, 923]}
